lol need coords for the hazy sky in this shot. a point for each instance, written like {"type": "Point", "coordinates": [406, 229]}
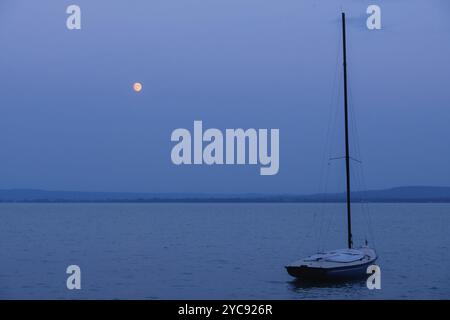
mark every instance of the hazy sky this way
{"type": "Point", "coordinates": [70, 120]}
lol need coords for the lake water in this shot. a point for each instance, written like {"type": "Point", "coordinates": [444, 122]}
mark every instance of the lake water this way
{"type": "Point", "coordinates": [214, 251]}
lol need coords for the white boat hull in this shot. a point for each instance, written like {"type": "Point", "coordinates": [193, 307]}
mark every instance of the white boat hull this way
{"type": "Point", "coordinates": [334, 265]}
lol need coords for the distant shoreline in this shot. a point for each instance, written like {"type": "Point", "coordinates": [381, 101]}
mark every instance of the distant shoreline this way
{"type": "Point", "coordinates": [222, 202]}
{"type": "Point", "coordinates": [409, 194]}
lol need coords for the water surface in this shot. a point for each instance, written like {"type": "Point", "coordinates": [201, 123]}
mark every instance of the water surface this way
{"type": "Point", "coordinates": [214, 251]}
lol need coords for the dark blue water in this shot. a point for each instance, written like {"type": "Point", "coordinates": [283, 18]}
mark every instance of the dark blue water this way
{"type": "Point", "coordinates": [214, 251]}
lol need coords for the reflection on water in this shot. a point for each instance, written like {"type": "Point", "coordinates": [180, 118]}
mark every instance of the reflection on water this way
{"type": "Point", "coordinates": [302, 284]}
{"type": "Point", "coordinates": [310, 289]}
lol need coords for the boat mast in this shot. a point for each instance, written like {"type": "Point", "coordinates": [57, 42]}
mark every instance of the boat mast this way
{"type": "Point", "coordinates": [347, 156]}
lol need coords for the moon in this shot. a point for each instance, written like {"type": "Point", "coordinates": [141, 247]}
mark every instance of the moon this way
{"type": "Point", "coordinates": [137, 87]}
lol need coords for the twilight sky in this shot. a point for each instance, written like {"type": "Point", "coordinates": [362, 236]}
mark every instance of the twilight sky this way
{"type": "Point", "coordinates": [69, 119]}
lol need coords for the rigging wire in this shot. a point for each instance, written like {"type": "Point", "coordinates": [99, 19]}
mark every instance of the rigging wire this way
{"type": "Point", "coordinates": [363, 187]}
{"type": "Point", "coordinates": [325, 213]}
{"type": "Point", "coordinates": [325, 167]}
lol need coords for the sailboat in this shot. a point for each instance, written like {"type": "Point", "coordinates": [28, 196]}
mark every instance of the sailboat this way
{"type": "Point", "coordinates": [344, 263]}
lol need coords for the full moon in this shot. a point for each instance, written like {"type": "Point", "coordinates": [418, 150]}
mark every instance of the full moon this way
{"type": "Point", "coordinates": [137, 86]}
